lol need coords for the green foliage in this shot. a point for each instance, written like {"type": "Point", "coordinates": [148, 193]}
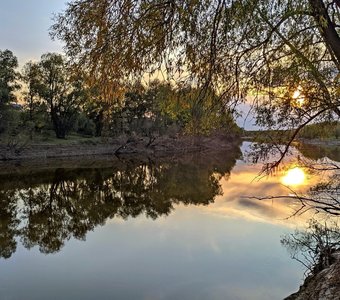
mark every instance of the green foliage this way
{"type": "Point", "coordinates": [8, 85]}
{"type": "Point", "coordinates": [8, 76]}
{"type": "Point", "coordinates": [205, 112]}
{"type": "Point", "coordinates": [96, 111]}
{"type": "Point", "coordinates": [58, 98]}
{"type": "Point", "coordinates": [324, 130]}
{"type": "Point", "coordinates": [52, 83]}
{"type": "Point", "coordinates": [10, 120]}
{"type": "Point", "coordinates": [163, 109]}
{"type": "Point", "coordinates": [31, 75]}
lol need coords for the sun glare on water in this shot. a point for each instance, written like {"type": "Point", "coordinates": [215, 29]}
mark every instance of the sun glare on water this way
{"type": "Point", "coordinates": [295, 176]}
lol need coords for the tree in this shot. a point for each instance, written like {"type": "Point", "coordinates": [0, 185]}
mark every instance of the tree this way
{"type": "Point", "coordinates": [95, 111]}
{"type": "Point", "coordinates": [8, 85]}
{"type": "Point", "coordinates": [63, 92]}
{"type": "Point", "coordinates": [31, 76]}
{"type": "Point", "coordinates": [285, 54]}
{"type": "Point", "coordinates": [8, 76]}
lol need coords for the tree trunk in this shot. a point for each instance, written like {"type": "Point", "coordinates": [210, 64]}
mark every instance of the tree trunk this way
{"type": "Point", "coordinates": [60, 133]}
{"type": "Point", "coordinates": [58, 126]}
{"type": "Point", "coordinates": [326, 28]}
{"type": "Point", "coordinates": [99, 123]}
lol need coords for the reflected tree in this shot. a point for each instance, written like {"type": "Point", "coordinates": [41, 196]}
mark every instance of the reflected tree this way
{"type": "Point", "coordinates": [48, 210]}
{"type": "Point", "coordinates": [8, 223]}
{"type": "Point", "coordinates": [319, 152]}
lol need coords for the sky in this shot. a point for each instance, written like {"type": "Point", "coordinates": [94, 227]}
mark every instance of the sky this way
{"type": "Point", "coordinates": [24, 26]}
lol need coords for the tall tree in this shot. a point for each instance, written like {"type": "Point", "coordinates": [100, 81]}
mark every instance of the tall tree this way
{"type": "Point", "coordinates": [8, 76]}
{"type": "Point", "coordinates": [61, 90]}
{"type": "Point", "coordinates": [31, 76]}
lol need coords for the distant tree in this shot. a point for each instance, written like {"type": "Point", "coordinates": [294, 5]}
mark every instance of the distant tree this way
{"type": "Point", "coordinates": [62, 91]}
{"type": "Point", "coordinates": [8, 76]}
{"type": "Point", "coordinates": [8, 85]}
{"type": "Point", "coordinates": [96, 111]}
{"type": "Point", "coordinates": [31, 75]}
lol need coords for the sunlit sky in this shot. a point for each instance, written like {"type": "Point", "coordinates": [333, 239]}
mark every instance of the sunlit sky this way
{"type": "Point", "coordinates": [24, 26]}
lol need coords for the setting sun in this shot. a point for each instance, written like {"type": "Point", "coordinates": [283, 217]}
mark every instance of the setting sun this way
{"type": "Point", "coordinates": [298, 97]}
{"type": "Point", "coordinates": [295, 176]}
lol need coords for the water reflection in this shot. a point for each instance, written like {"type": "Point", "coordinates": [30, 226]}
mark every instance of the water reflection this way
{"type": "Point", "coordinates": [244, 189]}
{"type": "Point", "coordinates": [316, 152]}
{"type": "Point", "coordinates": [47, 209]}
{"type": "Point", "coordinates": [218, 244]}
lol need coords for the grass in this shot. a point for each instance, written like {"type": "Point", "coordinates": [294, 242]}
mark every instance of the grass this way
{"type": "Point", "coordinates": [48, 138]}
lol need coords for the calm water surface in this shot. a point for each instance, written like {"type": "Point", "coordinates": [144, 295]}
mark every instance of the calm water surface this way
{"type": "Point", "coordinates": [126, 229]}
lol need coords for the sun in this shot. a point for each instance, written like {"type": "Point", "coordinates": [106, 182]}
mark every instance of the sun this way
{"type": "Point", "coordinates": [298, 97]}
{"type": "Point", "coordinates": [295, 176]}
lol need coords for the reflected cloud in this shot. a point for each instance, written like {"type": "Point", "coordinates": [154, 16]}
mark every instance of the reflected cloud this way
{"type": "Point", "coordinates": [242, 188]}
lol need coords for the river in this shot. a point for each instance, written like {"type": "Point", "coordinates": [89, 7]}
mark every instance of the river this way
{"type": "Point", "coordinates": [177, 228]}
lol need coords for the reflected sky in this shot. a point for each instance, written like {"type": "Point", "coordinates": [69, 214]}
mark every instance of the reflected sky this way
{"type": "Point", "coordinates": [179, 230]}
{"type": "Point", "coordinates": [187, 255]}
{"type": "Point", "coordinates": [244, 183]}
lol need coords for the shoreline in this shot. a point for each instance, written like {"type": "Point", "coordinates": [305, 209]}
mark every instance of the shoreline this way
{"type": "Point", "coordinates": [314, 142]}
{"type": "Point", "coordinates": [139, 148]}
{"type": "Point", "coordinates": [323, 285]}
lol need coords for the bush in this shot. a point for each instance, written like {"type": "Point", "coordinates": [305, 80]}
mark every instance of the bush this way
{"type": "Point", "coordinates": [10, 120]}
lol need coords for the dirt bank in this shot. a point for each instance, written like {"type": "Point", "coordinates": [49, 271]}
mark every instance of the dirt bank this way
{"type": "Point", "coordinates": [324, 285]}
{"type": "Point", "coordinates": [161, 146]}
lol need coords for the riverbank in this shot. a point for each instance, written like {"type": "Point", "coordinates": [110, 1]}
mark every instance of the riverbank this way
{"type": "Point", "coordinates": [161, 146]}
{"type": "Point", "coordinates": [324, 285]}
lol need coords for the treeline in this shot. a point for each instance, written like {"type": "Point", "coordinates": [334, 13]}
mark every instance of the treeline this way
{"type": "Point", "coordinates": [49, 96]}
{"type": "Point", "coordinates": [321, 130]}
{"type": "Point", "coordinates": [324, 130]}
